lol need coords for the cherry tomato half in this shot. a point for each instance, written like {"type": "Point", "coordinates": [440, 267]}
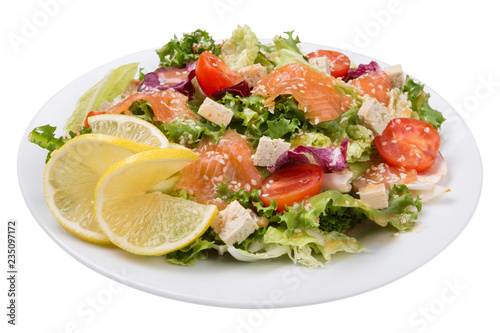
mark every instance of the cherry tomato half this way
{"type": "Point", "coordinates": [90, 114]}
{"type": "Point", "coordinates": [292, 184]}
{"type": "Point", "coordinates": [408, 143]}
{"type": "Point", "coordinates": [213, 74]}
{"type": "Point", "coordinates": [339, 62]}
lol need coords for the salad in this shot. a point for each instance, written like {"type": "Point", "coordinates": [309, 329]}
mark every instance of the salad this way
{"type": "Point", "coordinates": [295, 150]}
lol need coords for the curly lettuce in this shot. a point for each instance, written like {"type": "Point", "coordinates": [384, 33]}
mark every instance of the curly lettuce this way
{"type": "Point", "coordinates": [303, 246]}
{"type": "Point", "coordinates": [178, 52]}
{"type": "Point", "coordinates": [241, 49]}
{"type": "Point", "coordinates": [420, 103]}
{"type": "Point", "coordinates": [319, 211]}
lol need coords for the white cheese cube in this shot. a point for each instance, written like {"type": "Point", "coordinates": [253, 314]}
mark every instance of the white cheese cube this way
{"type": "Point", "coordinates": [253, 73]}
{"type": "Point", "coordinates": [235, 223]}
{"type": "Point", "coordinates": [396, 75]}
{"type": "Point", "coordinates": [215, 112]}
{"type": "Point", "coordinates": [375, 195]}
{"type": "Point", "coordinates": [321, 64]}
{"type": "Point", "coordinates": [374, 115]}
{"type": "Point", "coordinates": [269, 150]}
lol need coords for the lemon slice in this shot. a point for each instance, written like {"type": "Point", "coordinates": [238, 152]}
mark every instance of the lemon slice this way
{"type": "Point", "coordinates": [128, 127]}
{"type": "Point", "coordinates": [142, 220]}
{"type": "Point", "coordinates": [71, 175]}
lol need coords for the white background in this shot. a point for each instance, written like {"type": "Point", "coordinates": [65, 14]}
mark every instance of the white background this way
{"type": "Point", "coordinates": [452, 48]}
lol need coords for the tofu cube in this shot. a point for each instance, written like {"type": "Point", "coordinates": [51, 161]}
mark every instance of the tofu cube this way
{"type": "Point", "coordinates": [215, 112]}
{"type": "Point", "coordinates": [253, 73]}
{"type": "Point", "coordinates": [235, 223]}
{"type": "Point", "coordinates": [269, 150]}
{"type": "Point", "coordinates": [374, 115]}
{"type": "Point", "coordinates": [396, 75]}
{"type": "Point", "coordinates": [321, 64]}
{"type": "Point", "coordinates": [375, 195]}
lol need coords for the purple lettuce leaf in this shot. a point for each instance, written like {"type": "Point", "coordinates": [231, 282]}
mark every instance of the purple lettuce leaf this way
{"type": "Point", "coordinates": [239, 89]}
{"type": "Point", "coordinates": [353, 73]}
{"type": "Point", "coordinates": [329, 159]}
{"type": "Point", "coordinates": [176, 78]}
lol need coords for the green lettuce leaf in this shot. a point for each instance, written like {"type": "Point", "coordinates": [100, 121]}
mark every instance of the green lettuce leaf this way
{"type": "Point", "coordinates": [188, 132]}
{"type": "Point", "coordinates": [241, 49]}
{"type": "Point", "coordinates": [285, 50]}
{"type": "Point", "coordinates": [198, 250]}
{"type": "Point", "coordinates": [303, 245]}
{"type": "Point", "coordinates": [400, 214]}
{"type": "Point", "coordinates": [348, 126]}
{"type": "Point", "coordinates": [107, 89]}
{"type": "Point", "coordinates": [246, 199]}
{"type": "Point", "coordinates": [311, 139]}
{"type": "Point", "coordinates": [420, 103]}
{"type": "Point", "coordinates": [178, 52]}
{"type": "Point", "coordinates": [254, 120]}
{"type": "Point", "coordinates": [44, 136]}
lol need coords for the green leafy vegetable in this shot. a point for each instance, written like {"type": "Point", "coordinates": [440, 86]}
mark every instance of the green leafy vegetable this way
{"type": "Point", "coordinates": [303, 246]}
{"type": "Point", "coordinates": [252, 119]}
{"type": "Point", "coordinates": [400, 214]}
{"type": "Point", "coordinates": [311, 139]}
{"type": "Point", "coordinates": [198, 250]}
{"type": "Point", "coordinates": [241, 49]}
{"type": "Point", "coordinates": [348, 126]}
{"type": "Point", "coordinates": [107, 89]}
{"type": "Point", "coordinates": [178, 52]}
{"type": "Point", "coordinates": [246, 199]}
{"type": "Point", "coordinates": [44, 137]}
{"type": "Point", "coordinates": [190, 131]}
{"type": "Point", "coordinates": [285, 50]}
{"type": "Point", "coordinates": [420, 103]}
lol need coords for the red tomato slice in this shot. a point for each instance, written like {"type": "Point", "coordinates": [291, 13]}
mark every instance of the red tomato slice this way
{"type": "Point", "coordinates": [292, 184]}
{"type": "Point", "coordinates": [90, 114]}
{"type": "Point", "coordinates": [213, 74]}
{"type": "Point", "coordinates": [339, 62]}
{"type": "Point", "coordinates": [375, 84]}
{"type": "Point", "coordinates": [408, 143]}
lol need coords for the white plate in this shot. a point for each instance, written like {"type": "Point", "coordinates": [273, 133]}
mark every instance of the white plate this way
{"type": "Point", "coordinates": [277, 283]}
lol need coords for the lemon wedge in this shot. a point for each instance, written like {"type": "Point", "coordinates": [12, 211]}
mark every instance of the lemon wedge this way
{"type": "Point", "coordinates": [140, 219]}
{"type": "Point", "coordinates": [71, 175]}
{"type": "Point", "coordinates": [128, 127]}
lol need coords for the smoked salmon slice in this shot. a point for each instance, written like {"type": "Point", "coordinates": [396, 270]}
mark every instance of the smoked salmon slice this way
{"type": "Point", "coordinates": [229, 160]}
{"type": "Point", "coordinates": [384, 173]}
{"type": "Point", "coordinates": [166, 105]}
{"type": "Point", "coordinates": [375, 84]}
{"type": "Point", "coordinates": [314, 91]}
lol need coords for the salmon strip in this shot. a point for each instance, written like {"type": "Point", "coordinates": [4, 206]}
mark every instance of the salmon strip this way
{"type": "Point", "coordinates": [314, 91]}
{"type": "Point", "coordinates": [229, 160]}
{"type": "Point", "coordinates": [166, 105]}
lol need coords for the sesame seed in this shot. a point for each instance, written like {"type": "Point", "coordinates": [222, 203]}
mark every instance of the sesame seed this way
{"type": "Point", "coordinates": [254, 182]}
{"type": "Point", "coordinates": [240, 158]}
{"type": "Point", "coordinates": [427, 129]}
{"type": "Point", "coordinates": [394, 141]}
{"type": "Point", "coordinates": [384, 143]}
{"type": "Point", "coordinates": [408, 128]}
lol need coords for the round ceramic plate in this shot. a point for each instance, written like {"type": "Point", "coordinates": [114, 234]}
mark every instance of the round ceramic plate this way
{"type": "Point", "coordinates": [223, 281]}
